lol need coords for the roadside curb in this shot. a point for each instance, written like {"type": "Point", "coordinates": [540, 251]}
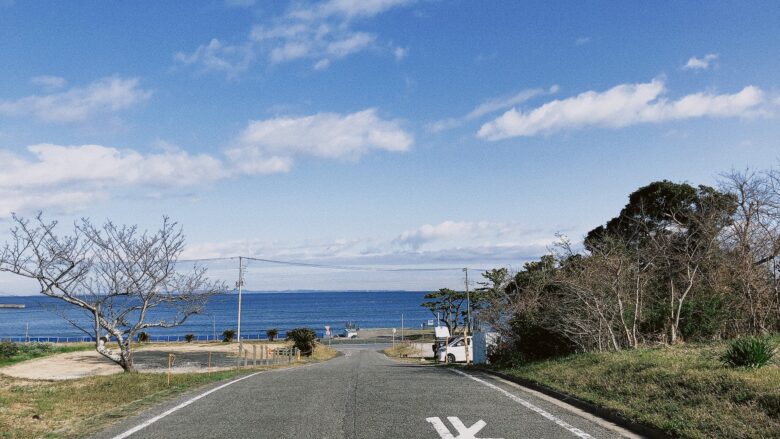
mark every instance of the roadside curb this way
{"type": "Point", "coordinates": [604, 413]}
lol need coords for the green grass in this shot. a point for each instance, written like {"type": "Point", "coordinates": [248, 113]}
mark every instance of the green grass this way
{"type": "Point", "coordinates": [80, 407]}
{"type": "Point", "coordinates": [685, 391]}
{"type": "Point", "coordinates": [77, 408]}
{"type": "Point", "coordinates": [37, 350]}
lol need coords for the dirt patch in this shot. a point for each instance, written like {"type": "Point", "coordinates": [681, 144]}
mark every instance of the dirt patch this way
{"type": "Point", "coordinates": [189, 357]}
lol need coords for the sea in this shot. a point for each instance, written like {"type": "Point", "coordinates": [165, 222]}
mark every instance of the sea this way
{"type": "Point", "coordinates": [42, 318]}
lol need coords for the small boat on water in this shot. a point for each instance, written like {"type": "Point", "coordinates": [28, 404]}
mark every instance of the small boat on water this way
{"type": "Point", "coordinates": [12, 305]}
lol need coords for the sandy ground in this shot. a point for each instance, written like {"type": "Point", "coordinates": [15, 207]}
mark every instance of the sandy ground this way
{"type": "Point", "coordinates": [190, 357]}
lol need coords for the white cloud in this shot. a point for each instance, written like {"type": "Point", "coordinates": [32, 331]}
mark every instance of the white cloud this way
{"type": "Point", "coordinates": [59, 177]}
{"type": "Point", "coordinates": [700, 63]}
{"type": "Point", "coordinates": [466, 232]}
{"type": "Point", "coordinates": [216, 56]}
{"type": "Point", "coordinates": [346, 9]}
{"type": "Point", "coordinates": [620, 106]}
{"type": "Point", "coordinates": [107, 95]}
{"type": "Point", "coordinates": [271, 145]}
{"type": "Point", "coordinates": [452, 244]}
{"type": "Point", "coordinates": [49, 81]}
{"type": "Point", "coordinates": [400, 53]}
{"type": "Point", "coordinates": [581, 41]}
{"type": "Point", "coordinates": [72, 177]}
{"type": "Point", "coordinates": [323, 33]}
{"type": "Point", "coordinates": [491, 106]}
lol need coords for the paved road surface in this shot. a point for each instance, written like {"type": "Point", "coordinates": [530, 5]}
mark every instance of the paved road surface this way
{"type": "Point", "coordinates": [363, 394]}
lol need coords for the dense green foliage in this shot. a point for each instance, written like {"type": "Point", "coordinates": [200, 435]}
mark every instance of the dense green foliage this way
{"type": "Point", "coordinates": [8, 349]}
{"type": "Point", "coordinates": [188, 337]}
{"type": "Point", "coordinates": [303, 339]}
{"type": "Point", "coordinates": [227, 335]}
{"type": "Point", "coordinates": [748, 352]}
{"type": "Point", "coordinates": [143, 337]}
{"type": "Point", "coordinates": [272, 333]}
{"type": "Point", "coordinates": [678, 263]}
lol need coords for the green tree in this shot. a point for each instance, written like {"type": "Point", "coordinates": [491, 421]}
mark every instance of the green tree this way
{"type": "Point", "coordinates": [449, 304]}
{"type": "Point", "coordinates": [303, 339]}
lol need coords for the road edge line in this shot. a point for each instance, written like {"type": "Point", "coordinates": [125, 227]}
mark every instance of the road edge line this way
{"type": "Point", "coordinates": [538, 410]}
{"type": "Point", "coordinates": [591, 409]}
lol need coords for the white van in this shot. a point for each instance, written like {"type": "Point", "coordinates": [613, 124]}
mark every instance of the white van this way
{"type": "Point", "coordinates": [454, 352]}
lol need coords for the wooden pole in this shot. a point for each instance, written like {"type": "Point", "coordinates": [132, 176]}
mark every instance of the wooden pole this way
{"type": "Point", "coordinates": [170, 365]}
{"type": "Point", "coordinates": [209, 361]}
{"type": "Point", "coordinates": [254, 355]}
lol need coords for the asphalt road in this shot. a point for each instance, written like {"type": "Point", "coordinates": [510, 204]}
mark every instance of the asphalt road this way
{"type": "Point", "coordinates": [363, 394]}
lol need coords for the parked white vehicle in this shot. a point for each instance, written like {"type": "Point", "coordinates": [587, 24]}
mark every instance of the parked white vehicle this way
{"type": "Point", "coordinates": [454, 352]}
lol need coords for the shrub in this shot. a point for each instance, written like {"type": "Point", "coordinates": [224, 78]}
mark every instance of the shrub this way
{"type": "Point", "coordinates": [272, 333]}
{"type": "Point", "coordinates": [8, 349]}
{"type": "Point", "coordinates": [143, 337]}
{"type": "Point", "coordinates": [227, 335]}
{"type": "Point", "coordinates": [504, 356]}
{"type": "Point", "coordinates": [188, 338]}
{"type": "Point", "coordinates": [303, 339]}
{"type": "Point", "coordinates": [748, 352]}
{"type": "Point", "coordinates": [36, 349]}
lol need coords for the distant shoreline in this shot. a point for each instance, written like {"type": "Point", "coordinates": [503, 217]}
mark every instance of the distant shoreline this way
{"type": "Point", "coordinates": [2, 296]}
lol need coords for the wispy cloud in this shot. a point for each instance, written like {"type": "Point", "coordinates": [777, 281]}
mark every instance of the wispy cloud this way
{"type": "Point", "coordinates": [220, 57]}
{"type": "Point", "coordinates": [49, 81]}
{"type": "Point", "coordinates": [321, 33]}
{"type": "Point", "coordinates": [581, 41]}
{"type": "Point", "coordinates": [620, 106]}
{"type": "Point", "coordinates": [400, 53]}
{"type": "Point", "coordinates": [703, 63]}
{"type": "Point", "coordinates": [271, 145]}
{"type": "Point", "coordinates": [78, 104]}
{"type": "Point", "coordinates": [445, 242]}
{"type": "Point", "coordinates": [491, 106]}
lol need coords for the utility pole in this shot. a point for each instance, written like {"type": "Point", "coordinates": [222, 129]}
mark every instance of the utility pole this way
{"type": "Point", "coordinates": [467, 327]}
{"type": "Point", "coordinates": [240, 285]}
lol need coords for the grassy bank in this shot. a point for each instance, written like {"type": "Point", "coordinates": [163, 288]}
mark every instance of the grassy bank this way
{"type": "Point", "coordinates": [683, 390]}
{"type": "Point", "coordinates": [77, 408]}
{"type": "Point", "coordinates": [30, 351]}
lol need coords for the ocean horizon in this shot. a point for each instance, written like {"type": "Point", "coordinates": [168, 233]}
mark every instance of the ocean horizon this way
{"type": "Point", "coordinates": [260, 310]}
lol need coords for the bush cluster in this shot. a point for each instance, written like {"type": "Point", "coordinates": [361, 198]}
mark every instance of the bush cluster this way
{"type": "Point", "coordinates": [751, 352]}
{"type": "Point", "coordinates": [303, 339]}
{"type": "Point", "coordinates": [8, 349]}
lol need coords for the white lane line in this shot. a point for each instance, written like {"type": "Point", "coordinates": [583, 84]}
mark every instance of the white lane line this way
{"type": "Point", "coordinates": [151, 421]}
{"type": "Point", "coordinates": [574, 430]}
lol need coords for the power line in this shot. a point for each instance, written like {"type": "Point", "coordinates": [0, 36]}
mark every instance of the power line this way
{"type": "Point", "coordinates": [327, 266]}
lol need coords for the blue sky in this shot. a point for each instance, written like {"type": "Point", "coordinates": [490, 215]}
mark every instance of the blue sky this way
{"type": "Point", "coordinates": [378, 132]}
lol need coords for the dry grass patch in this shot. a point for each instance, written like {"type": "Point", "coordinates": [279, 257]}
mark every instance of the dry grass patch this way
{"type": "Point", "coordinates": [684, 391]}
{"type": "Point", "coordinates": [77, 408]}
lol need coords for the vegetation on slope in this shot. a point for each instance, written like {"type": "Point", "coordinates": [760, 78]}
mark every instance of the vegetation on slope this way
{"type": "Point", "coordinates": [685, 390]}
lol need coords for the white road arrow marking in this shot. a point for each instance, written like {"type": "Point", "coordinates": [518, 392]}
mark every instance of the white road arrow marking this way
{"type": "Point", "coordinates": [463, 431]}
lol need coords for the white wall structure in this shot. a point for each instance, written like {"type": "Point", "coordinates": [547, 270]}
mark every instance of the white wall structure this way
{"type": "Point", "coordinates": [482, 341]}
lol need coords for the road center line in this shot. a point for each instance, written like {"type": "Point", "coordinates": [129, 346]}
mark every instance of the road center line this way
{"type": "Point", "coordinates": [574, 430]}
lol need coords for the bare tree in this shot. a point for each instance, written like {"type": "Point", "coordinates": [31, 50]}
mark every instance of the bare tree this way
{"type": "Point", "coordinates": [753, 243]}
{"type": "Point", "coordinates": [117, 275]}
